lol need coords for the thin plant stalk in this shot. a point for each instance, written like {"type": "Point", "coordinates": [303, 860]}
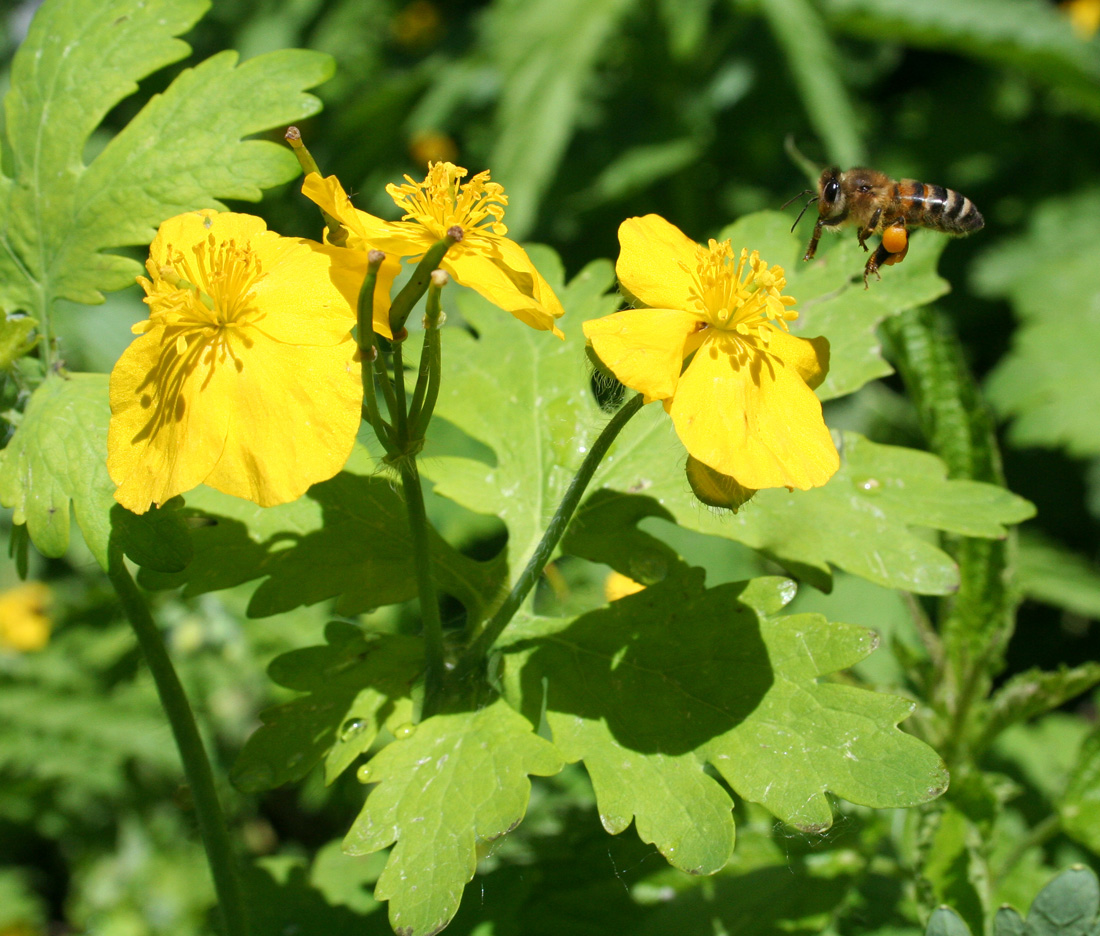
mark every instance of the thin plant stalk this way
{"type": "Point", "coordinates": [196, 766]}
{"type": "Point", "coordinates": [479, 649]}
{"type": "Point", "coordinates": [425, 584]}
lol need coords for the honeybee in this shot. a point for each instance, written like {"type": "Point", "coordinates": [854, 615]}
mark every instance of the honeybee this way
{"type": "Point", "coordinates": [879, 205]}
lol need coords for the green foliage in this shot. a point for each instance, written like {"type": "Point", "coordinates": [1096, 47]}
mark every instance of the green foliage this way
{"type": "Point", "coordinates": [699, 715]}
{"type": "Point", "coordinates": [355, 686]}
{"type": "Point", "coordinates": [523, 374]}
{"type": "Point", "coordinates": [813, 58]}
{"type": "Point", "coordinates": [1079, 807]}
{"type": "Point", "coordinates": [347, 538]}
{"type": "Point", "coordinates": [894, 487]}
{"type": "Point", "coordinates": [1067, 906]}
{"type": "Point", "coordinates": [641, 692]}
{"type": "Point", "coordinates": [454, 780]}
{"type": "Point", "coordinates": [1022, 33]}
{"type": "Point", "coordinates": [553, 47]}
{"type": "Point", "coordinates": [157, 539]}
{"type": "Point", "coordinates": [57, 457]}
{"type": "Point", "coordinates": [1056, 575]}
{"type": "Point", "coordinates": [14, 335]}
{"type": "Point", "coordinates": [182, 151]}
{"type": "Point", "coordinates": [1041, 382]}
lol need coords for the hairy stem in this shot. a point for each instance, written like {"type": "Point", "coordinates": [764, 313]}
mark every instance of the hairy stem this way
{"type": "Point", "coordinates": [959, 428]}
{"type": "Point", "coordinates": [196, 765]}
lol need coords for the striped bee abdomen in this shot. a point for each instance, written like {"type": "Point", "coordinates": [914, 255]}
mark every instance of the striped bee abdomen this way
{"type": "Point", "coordinates": [936, 207]}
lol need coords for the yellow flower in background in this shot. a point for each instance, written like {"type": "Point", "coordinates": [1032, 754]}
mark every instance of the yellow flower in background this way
{"type": "Point", "coordinates": [244, 375]}
{"type": "Point", "coordinates": [1084, 15]}
{"type": "Point", "coordinates": [485, 259]}
{"type": "Point", "coordinates": [619, 586]}
{"type": "Point", "coordinates": [429, 146]}
{"type": "Point", "coordinates": [24, 620]}
{"type": "Point", "coordinates": [713, 346]}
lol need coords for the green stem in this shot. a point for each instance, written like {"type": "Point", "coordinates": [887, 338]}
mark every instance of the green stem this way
{"type": "Point", "coordinates": [434, 350]}
{"type": "Point", "coordinates": [425, 585]}
{"type": "Point", "coordinates": [401, 417]}
{"type": "Point", "coordinates": [479, 649]}
{"type": "Point", "coordinates": [427, 380]}
{"type": "Point", "coordinates": [417, 285]}
{"type": "Point", "coordinates": [368, 354]}
{"type": "Point", "coordinates": [337, 233]}
{"type": "Point", "coordinates": [196, 766]}
{"type": "Point", "coordinates": [383, 375]}
{"type": "Point", "coordinates": [960, 429]}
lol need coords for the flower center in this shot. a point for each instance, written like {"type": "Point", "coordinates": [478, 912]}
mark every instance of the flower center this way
{"type": "Point", "coordinates": [205, 302]}
{"type": "Point", "coordinates": [442, 201]}
{"type": "Point", "coordinates": [745, 297]}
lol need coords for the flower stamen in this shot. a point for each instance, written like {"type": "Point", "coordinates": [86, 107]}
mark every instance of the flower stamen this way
{"type": "Point", "coordinates": [442, 200]}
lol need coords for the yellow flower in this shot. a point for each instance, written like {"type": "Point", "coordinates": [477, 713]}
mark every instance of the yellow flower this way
{"type": "Point", "coordinates": [24, 623]}
{"type": "Point", "coordinates": [244, 375]}
{"type": "Point", "coordinates": [1084, 15]}
{"type": "Point", "coordinates": [619, 586]}
{"type": "Point", "coordinates": [485, 260]}
{"type": "Point", "coordinates": [713, 346]}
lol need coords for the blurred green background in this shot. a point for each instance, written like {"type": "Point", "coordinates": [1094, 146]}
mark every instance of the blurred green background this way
{"type": "Point", "coordinates": [589, 112]}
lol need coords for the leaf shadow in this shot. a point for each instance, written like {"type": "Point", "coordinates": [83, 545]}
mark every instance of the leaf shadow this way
{"type": "Point", "coordinates": [360, 553]}
{"type": "Point", "coordinates": [667, 669]}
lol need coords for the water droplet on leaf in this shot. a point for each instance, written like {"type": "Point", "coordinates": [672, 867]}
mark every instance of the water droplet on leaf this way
{"type": "Point", "coordinates": [407, 730]}
{"type": "Point", "coordinates": [351, 728]}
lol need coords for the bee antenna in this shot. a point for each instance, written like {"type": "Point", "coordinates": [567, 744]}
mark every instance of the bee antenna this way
{"type": "Point", "coordinates": [795, 198]}
{"type": "Point", "coordinates": [803, 211]}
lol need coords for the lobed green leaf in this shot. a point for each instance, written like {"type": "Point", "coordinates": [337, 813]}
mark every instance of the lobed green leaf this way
{"type": "Point", "coordinates": [183, 150]}
{"type": "Point", "coordinates": [457, 780]}
{"type": "Point", "coordinates": [859, 521]}
{"type": "Point", "coordinates": [354, 686]}
{"type": "Point", "coordinates": [662, 683]}
{"type": "Point", "coordinates": [58, 457]}
{"type": "Point", "coordinates": [346, 538]}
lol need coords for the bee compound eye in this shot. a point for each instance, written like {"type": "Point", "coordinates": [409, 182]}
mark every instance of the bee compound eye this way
{"type": "Point", "coordinates": [832, 189]}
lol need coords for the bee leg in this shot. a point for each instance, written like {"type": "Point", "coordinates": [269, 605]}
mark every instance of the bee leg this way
{"type": "Point", "coordinates": [880, 256]}
{"type": "Point", "coordinates": [812, 248]}
{"type": "Point", "coordinates": [867, 231]}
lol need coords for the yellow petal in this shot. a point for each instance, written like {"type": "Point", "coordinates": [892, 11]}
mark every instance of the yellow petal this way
{"type": "Point", "coordinates": [808, 356]}
{"type": "Point", "coordinates": [755, 420]}
{"type": "Point", "coordinates": [650, 265]}
{"type": "Point", "coordinates": [517, 260]}
{"type": "Point", "coordinates": [512, 290]}
{"type": "Point", "coordinates": [263, 422]}
{"type": "Point", "coordinates": [365, 231]}
{"type": "Point", "coordinates": [162, 439]}
{"type": "Point", "coordinates": [292, 421]}
{"type": "Point", "coordinates": [643, 348]}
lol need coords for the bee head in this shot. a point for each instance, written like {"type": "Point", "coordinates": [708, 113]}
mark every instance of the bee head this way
{"type": "Point", "coordinates": [830, 194]}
